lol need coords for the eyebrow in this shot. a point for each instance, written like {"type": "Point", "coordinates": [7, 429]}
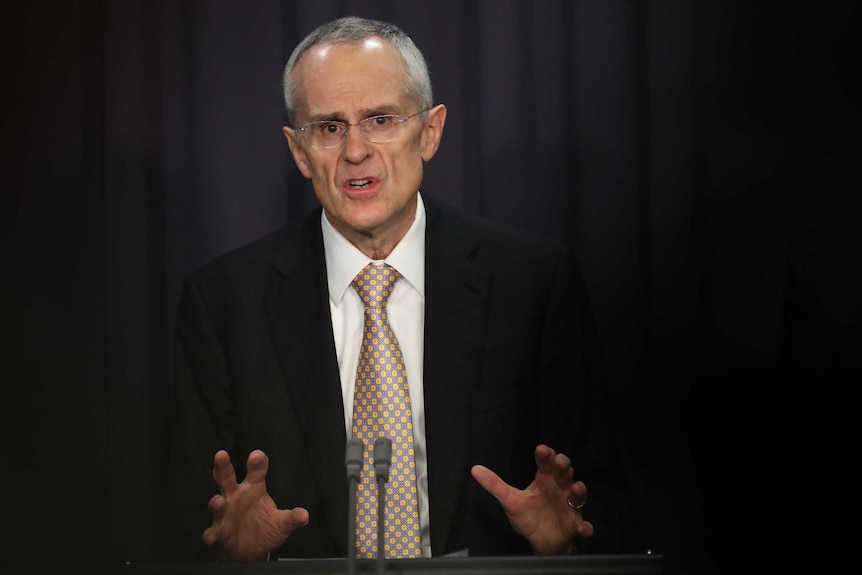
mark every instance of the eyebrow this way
{"type": "Point", "coordinates": [387, 109]}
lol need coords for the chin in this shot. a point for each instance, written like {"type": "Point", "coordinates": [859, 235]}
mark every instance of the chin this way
{"type": "Point", "coordinates": [360, 219]}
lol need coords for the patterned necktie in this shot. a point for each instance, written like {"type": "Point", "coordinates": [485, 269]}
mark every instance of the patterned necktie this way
{"type": "Point", "coordinates": [381, 407]}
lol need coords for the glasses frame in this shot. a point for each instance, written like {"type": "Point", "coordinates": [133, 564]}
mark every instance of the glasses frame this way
{"type": "Point", "coordinates": [345, 127]}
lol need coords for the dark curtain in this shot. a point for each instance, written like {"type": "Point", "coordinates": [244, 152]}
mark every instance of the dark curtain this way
{"type": "Point", "coordinates": [676, 145]}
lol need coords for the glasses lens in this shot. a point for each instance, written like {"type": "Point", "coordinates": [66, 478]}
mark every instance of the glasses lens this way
{"type": "Point", "coordinates": [325, 134]}
{"type": "Point", "coordinates": [379, 129]}
{"type": "Point", "coordinates": [376, 129]}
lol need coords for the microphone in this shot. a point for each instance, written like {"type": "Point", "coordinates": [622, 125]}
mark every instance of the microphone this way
{"type": "Point", "coordinates": [382, 459]}
{"type": "Point", "coordinates": [353, 461]}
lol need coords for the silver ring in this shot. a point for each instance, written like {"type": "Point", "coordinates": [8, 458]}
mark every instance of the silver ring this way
{"type": "Point", "coordinates": [573, 506]}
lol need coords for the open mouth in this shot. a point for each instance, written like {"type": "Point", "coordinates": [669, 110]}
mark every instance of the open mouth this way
{"type": "Point", "coordinates": [359, 183]}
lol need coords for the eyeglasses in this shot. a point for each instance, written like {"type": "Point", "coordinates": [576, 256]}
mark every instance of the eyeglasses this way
{"type": "Point", "coordinates": [376, 129]}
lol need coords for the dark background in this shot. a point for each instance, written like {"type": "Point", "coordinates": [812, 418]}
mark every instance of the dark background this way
{"type": "Point", "coordinates": [677, 146]}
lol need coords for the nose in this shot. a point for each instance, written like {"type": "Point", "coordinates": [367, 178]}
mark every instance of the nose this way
{"type": "Point", "coordinates": [356, 147]}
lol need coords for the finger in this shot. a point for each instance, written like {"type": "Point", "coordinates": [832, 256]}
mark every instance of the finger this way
{"type": "Point", "coordinates": [223, 472]}
{"type": "Point", "coordinates": [258, 465]}
{"type": "Point", "coordinates": [544, 457]}
{"type": "Point", "coordinates": [579, 490]}
{"type": "Point", "coordinates": [209, 537]}
{"type": "Point", "coordinates": [558, 465]}
{"type": "Point", "coordinates": [584, 529]}
{"type": "Point", "coordinates": [216, 505]}
{"type": "Point", "coordinates": [577, 495]}
{"type": "Point", "coordinates": [562, 461]}
{"type": "Point", "coordinates": [564, 474]}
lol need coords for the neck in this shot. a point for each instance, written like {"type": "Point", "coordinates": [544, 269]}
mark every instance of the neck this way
{"type": "Point", "coordinates": [378, 243]}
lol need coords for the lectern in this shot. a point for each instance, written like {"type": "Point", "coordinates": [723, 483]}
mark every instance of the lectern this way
{"type": "Point", "coordinates": [635, 564]}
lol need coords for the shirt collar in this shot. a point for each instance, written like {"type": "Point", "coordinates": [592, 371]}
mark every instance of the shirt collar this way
{"type": "Point", "coordinates": [344, 260]}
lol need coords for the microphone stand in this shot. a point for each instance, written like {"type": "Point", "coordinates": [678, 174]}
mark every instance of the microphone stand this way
{"type": "Point", "coordinates": [353, 461]}
{"type": "Point", "coordinates": [382, 459]}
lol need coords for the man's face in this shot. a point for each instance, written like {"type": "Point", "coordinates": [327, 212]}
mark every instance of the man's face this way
{"type": "Point", "coordinates": [367, 190]}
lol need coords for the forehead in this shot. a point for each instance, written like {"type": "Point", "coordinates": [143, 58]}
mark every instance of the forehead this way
{"type": "Point", "coordinates": [350, 78]}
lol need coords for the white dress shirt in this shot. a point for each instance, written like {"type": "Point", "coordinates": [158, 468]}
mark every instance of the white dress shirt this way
{"type": "Point", "coordinates": [406, 307]}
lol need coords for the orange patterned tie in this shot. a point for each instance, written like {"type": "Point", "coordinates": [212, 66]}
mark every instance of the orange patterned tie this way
{"type": "Point", "coordinates": [381, 407]}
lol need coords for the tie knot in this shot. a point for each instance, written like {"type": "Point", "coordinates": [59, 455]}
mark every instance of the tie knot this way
{"type": "Point", "coordinates": [375, 283]}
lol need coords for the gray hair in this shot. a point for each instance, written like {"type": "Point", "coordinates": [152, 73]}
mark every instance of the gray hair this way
{"type": "Point", "coordinates": [352, 30]}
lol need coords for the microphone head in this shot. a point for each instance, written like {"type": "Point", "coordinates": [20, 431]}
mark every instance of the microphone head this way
{"type": "Point", "coordinates": [353, 458]}
{"type": "Point", "coordinates": [382, 457]}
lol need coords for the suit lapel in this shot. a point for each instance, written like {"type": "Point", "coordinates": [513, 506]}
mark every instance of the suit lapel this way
{"type": "Point", "coordinates": [456, 307]}
{"type": "Point", "coordinates": [297, 303]}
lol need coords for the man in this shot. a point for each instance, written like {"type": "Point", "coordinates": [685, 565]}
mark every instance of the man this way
{"type": "Point", "coordinates": [496, 342]}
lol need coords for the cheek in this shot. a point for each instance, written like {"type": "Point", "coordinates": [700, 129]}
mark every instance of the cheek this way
{"type": "Point", "coordinates": [408, 169]}
{"type": "Point", "coordinates": [320, 168]}
{"type": "Point", "coordinates": [323, 179]}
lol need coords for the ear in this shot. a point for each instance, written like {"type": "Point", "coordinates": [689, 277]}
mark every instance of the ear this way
{"type": "Point", "coordinates": [298, 153]}
{"type": "Point", "coordinates": [432, 131]}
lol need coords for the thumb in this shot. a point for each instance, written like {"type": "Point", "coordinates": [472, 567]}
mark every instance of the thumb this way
{"type": "Point", "coordinates": [490, 482]}
{"type": "Point", "coordinates": [293, 519]}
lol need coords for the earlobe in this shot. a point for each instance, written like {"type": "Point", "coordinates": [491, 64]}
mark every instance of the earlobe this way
{"type": "Point", "coordinates": [296, 150]}
{"type": "Point", "coordinates": [432, 131]}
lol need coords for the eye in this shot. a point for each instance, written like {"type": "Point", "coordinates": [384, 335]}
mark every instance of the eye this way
{"type": "Point", "coordinates": [381, 121]}
{"type": "Point", "coordinates": [330, 128]}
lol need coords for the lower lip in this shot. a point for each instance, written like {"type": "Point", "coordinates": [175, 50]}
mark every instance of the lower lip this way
{"type": "Point", "coordinates": [361, 193]}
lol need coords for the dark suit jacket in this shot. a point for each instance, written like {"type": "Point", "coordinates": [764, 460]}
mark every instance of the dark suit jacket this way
{"type": "Point", "coordinates": [509, 363]}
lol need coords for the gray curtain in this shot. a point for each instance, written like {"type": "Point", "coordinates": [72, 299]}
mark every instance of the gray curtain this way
{"type": "Point", "coordinates": [675, 145]}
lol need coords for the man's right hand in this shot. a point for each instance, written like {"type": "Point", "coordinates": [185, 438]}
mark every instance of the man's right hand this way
{"type": "Point", "coordinates": [247, 525]}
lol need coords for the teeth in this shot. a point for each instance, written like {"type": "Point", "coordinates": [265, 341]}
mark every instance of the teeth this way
{"type": "Point", "coordinates": [359, 183]}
